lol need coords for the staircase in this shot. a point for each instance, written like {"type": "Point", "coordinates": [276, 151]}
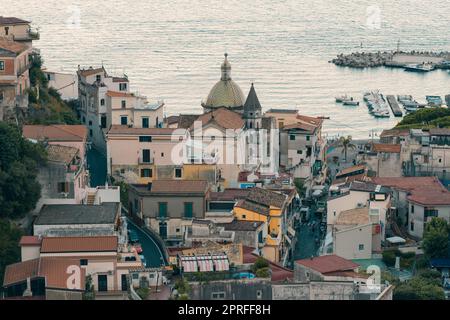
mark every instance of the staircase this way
{"type": "Point", "coordinates": [90, 198]}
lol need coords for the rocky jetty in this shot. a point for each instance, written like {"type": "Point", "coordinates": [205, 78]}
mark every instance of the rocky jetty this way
{"type": "Point", "coordinates": [378, 59]}
{"type": "Point", "coordinates": [363, 59]}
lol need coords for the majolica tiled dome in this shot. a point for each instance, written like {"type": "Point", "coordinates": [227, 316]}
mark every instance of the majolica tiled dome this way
{"type": "Point", "coordinates": [226, 92]}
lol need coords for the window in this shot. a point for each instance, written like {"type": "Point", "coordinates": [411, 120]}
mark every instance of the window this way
{"type": "Point", "coordinates": [146, 173]}
{"type": "Point", "coordinates": [145, 122]}
{"type": "Point", "coordinates": [412, 208]}
{"type": "Point", "coordinates": [430, 212]}
{"type": "Point", "coordinates": [145, 139]}
{"type": "Point", "coordinates": [412, 226]}
{"type": "Point", "coordinates": [124, 104]}
{"type": "Point", "coordinates": [151, 275]}
{"type": "Point", "coordinates": [124, 120]}
{"type": "Point", "coordinates": [177, 230]}
{"type": "Point", "coordinates": [63, 187]}
{"type": "Point", "coordinates": [103, 121]}
{"type": "Point", "coordinates": [280, 125]}
{"type": "Point", "coordinates": [90, 132]}
{"type": "Point", "coordinates": [1, 96]}
{"type": "Point", "coordinates": [90, 122]}
{"type": "Point", "coordinates": [6, 31]}
{"type": "Point", "coordinates": [291, 137]}
{"type": "Point", "coordinates": [361, 247]}
{"type": "Point", "coordinates": [440, 160]}
{"type": "Point", "coordinates": [244, 216]}
{"type": "Point", "coordinates": [162, 154]}
{"type": "Point", "coordinates": [98, 78]}
{"type": "Point", "coordinates": [146, 155]}
{"type": "Point", "coordinates": [135, 275]}
{"type": "Point", "coordinates": [218, 295]}
{"type": "Point", "coordinates": [83, 262]}
{"type": "Point", "coordinates": [102, 102]}
{"type": "Point", "coordinates": [162, 209]}
{"type": "Point", "coordinates": [299, 151]}
{"type": "Point", "coordinates": [178, 173]}
{"type": "Point", "coordinates": [188, 209]}
{"type": "Point", "coordinates": [122, 86]}
{"type": "Point", "coordinates": [84, 120]}
{"type": "Point", "coordinates": [2, 65]}
{"type": "Point", "coordinates": [308, 138]}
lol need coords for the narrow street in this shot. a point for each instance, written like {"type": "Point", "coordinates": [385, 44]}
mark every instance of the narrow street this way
{"type": "Point", "coordinates": [307, 235]}
{"type": "Point", "coordinates": [97, 167]}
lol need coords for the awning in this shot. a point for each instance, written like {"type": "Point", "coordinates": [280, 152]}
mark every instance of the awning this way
{"type": "Point", "coordinates": [395, 240]}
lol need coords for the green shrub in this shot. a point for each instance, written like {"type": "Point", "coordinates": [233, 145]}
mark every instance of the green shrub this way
{"type": "Point", "coordinates": [260, 263]}
{"type": "Point", "coordinates": [143, 293]}
{"type": "Point", "coordinates": [389, 257]}
{"type": "Point", "coordinates": [263, 273]}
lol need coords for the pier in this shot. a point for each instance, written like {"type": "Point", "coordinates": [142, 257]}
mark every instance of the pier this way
{"type": "Point", "coordinates": [394, 106]}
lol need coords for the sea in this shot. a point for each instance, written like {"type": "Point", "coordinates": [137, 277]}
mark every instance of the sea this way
{"type": "Point", "coordinates": [172, 49]}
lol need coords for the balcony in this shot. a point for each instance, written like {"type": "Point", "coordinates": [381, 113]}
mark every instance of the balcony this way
{"type": "Point", "coordinates": [144, 161]}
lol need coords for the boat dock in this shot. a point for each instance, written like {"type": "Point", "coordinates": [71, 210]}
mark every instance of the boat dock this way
{"type": "Point", "coordinates": [394, 106]}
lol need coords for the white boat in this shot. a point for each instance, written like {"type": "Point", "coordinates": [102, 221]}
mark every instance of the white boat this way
{"type": "Point", "coordinates": [350, 102]}
{"type": "Point", "coordinates": [377, 104]}
{"type": "Point", "coordinates": [421, 67]}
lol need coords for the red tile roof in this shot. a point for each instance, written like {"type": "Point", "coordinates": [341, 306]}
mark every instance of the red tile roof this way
{"type": "Point", "coordinates": [180, 186]}
{"type": "Point", "coordinates": [55, 270]}
{"type": "Point", "coordinates": [90, 71]}
{"type": "Point", "coordinates": [394, 133]}
{"type": "Point", "coordinates": [79, 244]}
{"type": "Point", "coordinates": [224, 117]}
{"type": "Point", "coordinates": [30, 241]}
{"type": "Point", "coordinates": [55, 132]}
{"type": "Point", "coordinates": [229, 194]}
{"type": "Point", "coordinates": [328, 263]}
{"type": "Point", "coordinates": [12, 21]}
{"type": "Point", "coordinates": [387, 148]}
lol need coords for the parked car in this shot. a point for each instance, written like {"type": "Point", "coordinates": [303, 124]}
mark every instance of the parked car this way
{"type": "Point", "coordinates": [244, 275]}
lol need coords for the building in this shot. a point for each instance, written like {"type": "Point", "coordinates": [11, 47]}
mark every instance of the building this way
{"type": "Point", "coordinates": [356, 234]}
{"type": "Point", "coordinates": [58, 267]}
{"type": "Point", "coordinates": [124, 108]}
{"type": "Point", "coordinates": [14, 78]}
{"type": "Point", "coordinates": [64, 177]}
{"type": "Point", "coordinates": [78, 220]}
{"type": "Point", "coordinates": [169, 206]}
{"type": "Point", "coordinates": [302, 148]}
{"type": "Point", "coordinates": [417, 199]}
{"type": "Point", "coordinates": [93, 86]}
{"type": "Point", "coordinates": [149, 156]}
{"type": "Point", "coordinates": [18, 30]}
{"type": "Point", "coordinates": [272, 209]}
{"type": "Point", "coordinates": [383, 160]}
{"type": "Point", "coordinates": [65, 83]}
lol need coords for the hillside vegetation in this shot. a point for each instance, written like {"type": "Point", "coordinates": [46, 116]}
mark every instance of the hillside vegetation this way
{"type": "Point", "coordinates": [426, 118]}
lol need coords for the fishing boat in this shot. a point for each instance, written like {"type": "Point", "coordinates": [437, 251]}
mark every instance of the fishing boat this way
{"type": "Point", "coordinates": [421, 67]}
{"type": "Point", "coordinates": [434, 101]}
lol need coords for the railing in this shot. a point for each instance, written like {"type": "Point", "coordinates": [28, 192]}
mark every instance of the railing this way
{"type": "Point", "coordinates": [146, 161]}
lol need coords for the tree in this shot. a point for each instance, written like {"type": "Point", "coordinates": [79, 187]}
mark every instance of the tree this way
{"type": "Point", "coordinates": [419, 288]}
{"type": "Point", "coordinates": [346, 144]}
{"type": "Point", "coordinates": [19, 160]}
{"type": "Point", "coordinates": [260, 263]}
{"type": "Point", "coordinates": [435, 239]}
{"type": "Point", "coordinates": [9, 245]}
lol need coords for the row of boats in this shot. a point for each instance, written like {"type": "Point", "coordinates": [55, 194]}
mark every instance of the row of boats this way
{"type": "Point", "coordinates": [377, 104]}
{"type": "Point", "coordinates": [411, 105]}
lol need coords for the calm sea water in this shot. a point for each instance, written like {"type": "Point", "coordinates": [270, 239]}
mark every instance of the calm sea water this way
{"type": "Point", "coordinates": [172, 50]}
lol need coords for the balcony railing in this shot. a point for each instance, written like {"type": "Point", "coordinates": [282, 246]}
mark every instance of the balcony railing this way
{"type": "Point", "coordinates": [141, 160]}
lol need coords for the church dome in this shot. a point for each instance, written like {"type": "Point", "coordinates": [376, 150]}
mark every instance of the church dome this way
{"type": "Point", "coordinates": [226, 92]}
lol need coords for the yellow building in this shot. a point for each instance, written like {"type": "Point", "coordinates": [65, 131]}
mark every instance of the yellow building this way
{"type": "Point", "coordinates": [268, 207]}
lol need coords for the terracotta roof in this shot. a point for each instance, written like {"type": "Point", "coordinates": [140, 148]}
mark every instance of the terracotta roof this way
{"type": "Point", "coordinates": [116, 94]}
{"type": "Point", "coordinates": [55, 132]}
{"type": "Point", "coordinates": [423, 190]}
{"type": "Point", "coordinates": [53, 269]}
{"type": "Point", "coordinates": [119, 129]}
{"type": "Point", "coordinates": [79, 244]}
{"type": "Point", "coordinates": [301, 126]}
{"type": "Point", "coordinates": [266, 197]}
{"type": "Point", "coordinates": [394, 133]}
{"type": "Point", "coordinates": [439, 131]}
{"type": "Point", "coordinates": [229, 194]}
{"type": "Point", "coordinates": [223, 117]}
{"type": "Point", "coordinates": [30, 241]}
{"type": "Point", "coordinates": [252, 206]}
{"type": "Point", "coordinates": [174, 187]}
{"type": "Point", "coordinates": [356, 216]}
{"type": "Point", "coordinates": [240, 225]}
{"type": "Point", "coordinates": [387, 148]}
{"type": "Point", "coordinates": [12, 21]}
{"type": "Point", "coordinates": [351, 169]}
{"type": "Point", "coordinates": [186, 120]}
{"type": "Point", "coordinates": [310, 120]}
{"type": "Point", "coordinates": [328, 263]}
{"type": "Point", "coordinates": [90, 71]}
{"type": "Point", "coordinates": [12, 46]}
{"type": "Point", "coordinates": [61, 153]}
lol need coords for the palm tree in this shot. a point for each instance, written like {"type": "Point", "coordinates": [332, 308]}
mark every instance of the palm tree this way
{"type": "Point", "coordinates": [346, 144]}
